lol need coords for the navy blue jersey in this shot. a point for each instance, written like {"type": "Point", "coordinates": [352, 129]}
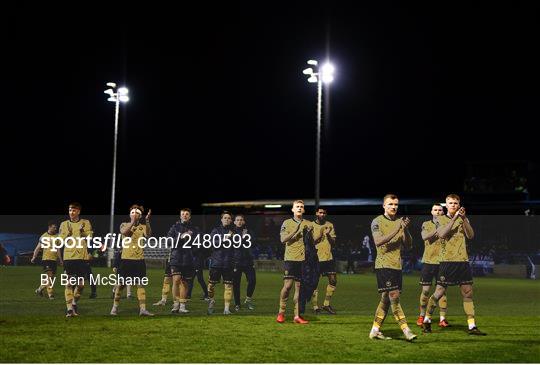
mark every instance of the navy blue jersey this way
{"type": "Point", "coordinates": [181, 256]}
{"type": "Point", "coordinates": [221, 258]}
{"type": "Point", "coordinates": [242, 256]}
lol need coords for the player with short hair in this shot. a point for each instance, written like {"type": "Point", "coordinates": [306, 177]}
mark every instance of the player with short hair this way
{"type": "Point", "coordinates": [132, 264]}
{"type": "Point", "coordinates": [49, 258]}
{"type": "Point", "coordinates": [390, 235]}
{"type": "Point", "coordinates": [243, 263]}
{"type": "Point", "coordinates": [293, 231]}
{"type": "Point", "coordinates": [327, 265]}
{"type": "Point", "coordinates": [454, 229]}
{"type": "Point", "coordinates": [221, 263]}
{"type": "Point", "coordinates": [181, 259]}
{"type": "Point", "coordinates": [75, 254]}
{"type": "Point", "coordinates": [430, 267]}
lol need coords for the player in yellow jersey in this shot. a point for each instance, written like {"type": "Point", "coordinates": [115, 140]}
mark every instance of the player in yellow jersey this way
{"type": "Point", "coordinates": [74, 233]}
{"type": "Point", "coordinates": [430, 267]}
{"type": "Point", "coordinates": [454, 229]}
{"type": "Point", "coordinates": [49, 258]}
{"type": "Point", "coordinates": [132, 264]}
{"type": "Point", "coordinates": [390, 235]}
{"type": "Point", "coordinates": [292, 235]}
{"type": "Point", "coordinates": [327, 265]}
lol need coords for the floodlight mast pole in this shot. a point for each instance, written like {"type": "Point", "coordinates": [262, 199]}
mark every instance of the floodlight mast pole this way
{"type": "Point", "coordinates": [113, 190]}
{"type": "Point", "coordinates": [318, 148]}
{"type": "Point", "coordinates": [321, 74]}
{"type": "Point", "coordinates": [116, 96]}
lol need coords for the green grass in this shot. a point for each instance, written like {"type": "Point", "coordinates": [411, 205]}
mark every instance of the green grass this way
{"type": "Point", "coordinates": [34, 329]}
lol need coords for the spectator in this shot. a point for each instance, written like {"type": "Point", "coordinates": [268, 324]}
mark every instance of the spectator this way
{"type": "Point", "coordinates": [4, 257]}
{"type": "Point", "coordinates": [366, 246]}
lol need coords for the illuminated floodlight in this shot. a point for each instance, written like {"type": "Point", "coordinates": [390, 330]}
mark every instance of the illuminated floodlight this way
{"type": "Point", "coordinates": [123, 91]}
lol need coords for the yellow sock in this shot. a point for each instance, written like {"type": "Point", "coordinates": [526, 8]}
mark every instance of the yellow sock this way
{"type": "Point", "coordinates": [78, 292]}
{"type": "Point", "coordinates": [398, 313]}
{"type": "Point", "coordinates": [468, 307]}
{"type": "Point", "coordinates": [117, 295]}
{"type": "Point", "coordinates": [443, 303]}
{"type": "Point", "coordinates": [165, 290]}
{"type": "Point", "coordinates": [68, 293]}
{"type": "Point", "coordinates": [424, 299]}
{"type": "Point", "coordinates": [50, 291]}
{"type": "Point", "coordinates": [183, 292]}
{"type": "Point", "coordinates": [282, 305]}
{"type": "Point", "coordinates": [329, 292]}
{"type": "Point", "coordinates": [176, 291]}
{"type": "Point", "coordinates": [432, 304]}
{"type": "Point", "coordinates": [211, 290]}
{"type": "Point", "coordinates": [227, 295]}
{"type": "Point", "coordinates": [141, 296]}
{"type": "Point", "coordinates": [315, 299]}
{"type": "Point", "coordinates": [380, 314]}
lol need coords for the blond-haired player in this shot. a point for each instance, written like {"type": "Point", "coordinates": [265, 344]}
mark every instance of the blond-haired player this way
{"type": "Point", "coordinates": [390, 234]}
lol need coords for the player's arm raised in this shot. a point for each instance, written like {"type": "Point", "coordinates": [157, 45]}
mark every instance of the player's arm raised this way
{"type": "Point", "coordinates": [430, 236]}
{"type": "Point", "coordinates": [125, 228]}
{"type": "Point", "coordinates": [318, 234]}
{"type": "Point", "coordinates": [443, 231]}
{"type": "Point", "coordinates": [407, 237]}
{"type": "Point", "coordinates": [148, 228]}
{"type": "Point", "coordinates": [469, 231]}
{"type": "Point", "coordinates": [378, 237]}
{"type": "Point", "coordinates": [286, 235]}
{"type": "Point", "coordinates": [331, 234]}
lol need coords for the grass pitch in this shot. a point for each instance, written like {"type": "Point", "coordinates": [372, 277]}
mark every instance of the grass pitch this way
{"type": "Point", "coordinates": [34, 329]}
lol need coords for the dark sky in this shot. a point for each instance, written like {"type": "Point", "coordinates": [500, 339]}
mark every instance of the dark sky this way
{"type": "Point", "coordinates": [220, 109]}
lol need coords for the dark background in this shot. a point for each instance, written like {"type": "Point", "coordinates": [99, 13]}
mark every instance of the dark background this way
{"type": "Point", "coordinates": [220, 110]}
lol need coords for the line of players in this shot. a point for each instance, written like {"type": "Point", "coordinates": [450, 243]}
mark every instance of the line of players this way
{"type": "Point", "coordinates": [445, 259]}
{"type": "Point", "coordinates": [181, 267]}
{"type": "Point", "coordinates": [307, 256]}
{"type": "Point", "coordinates": [225, 264]}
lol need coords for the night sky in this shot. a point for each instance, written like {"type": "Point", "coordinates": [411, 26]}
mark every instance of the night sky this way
{"type": "Point", "coordinates": [221, 111]}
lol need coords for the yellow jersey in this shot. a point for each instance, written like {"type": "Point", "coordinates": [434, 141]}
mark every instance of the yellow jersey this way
{"type": "Point", "coordinates": [294, 249]}
{"type": "Point", "coordinates": [76, 250]}
{"type": "Point", "coordinates": [135, 249]}
{"type": "Point", "coordinates": [47, 253]}
{"type": "Point", "coordinates": [324, 247]}
{"type": "Point", "coordinates": [454, 245]}
{"type": "Point", "coordinates": [432, 249]}
{"type": "Point", "coordinates": [389, 254]}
